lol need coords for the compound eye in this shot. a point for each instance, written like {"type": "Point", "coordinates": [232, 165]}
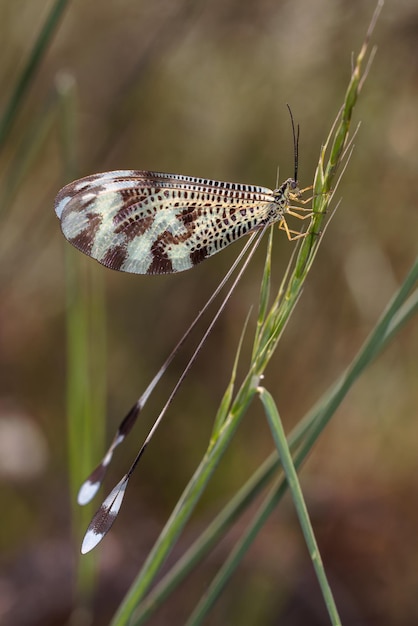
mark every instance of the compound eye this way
{"type": "Point", "coordinates": [293, 184]}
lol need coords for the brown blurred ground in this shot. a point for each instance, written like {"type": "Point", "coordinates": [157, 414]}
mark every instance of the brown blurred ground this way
{"type": "Point", "coordinates": [200, 89]}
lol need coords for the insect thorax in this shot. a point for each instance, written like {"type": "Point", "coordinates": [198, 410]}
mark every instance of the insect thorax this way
{"type": "Point", "coordinates": [287, 192]}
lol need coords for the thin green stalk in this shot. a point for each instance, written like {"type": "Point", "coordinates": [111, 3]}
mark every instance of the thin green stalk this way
{"type": "Point", "coordinates": [86, 352]}
{"type": "Point", "coordinates": [299, 502]}
{"type": "Point", "coordinates": [228, 395]}
{"type": "Point", "coordinates": [264, 290]}
{"type": "Point", "coordinates": [78, 402]}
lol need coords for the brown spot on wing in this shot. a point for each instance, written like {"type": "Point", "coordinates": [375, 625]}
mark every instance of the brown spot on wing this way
{"type": "Point", "coordinates": [198, 255]}
{"type": "Point", "coordinates": [85, 239]}
{"type": "Point", "coordinates": [131, 198]}
{"type": "Point", "coordinates": [160, 264]}
{"type": "Point", "coordinates": [132, 227]}
{"type": "Point", "coordinates": [188, 217]}
{"type": "Point", "coordinates": [115, 257]}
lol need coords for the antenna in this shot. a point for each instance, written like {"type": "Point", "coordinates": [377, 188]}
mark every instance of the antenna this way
{"type": "Point", "coordinates": [295, 142]}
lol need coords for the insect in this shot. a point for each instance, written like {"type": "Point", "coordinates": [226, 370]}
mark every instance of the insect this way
{"type": "Point", "coordinates": [154, 223]}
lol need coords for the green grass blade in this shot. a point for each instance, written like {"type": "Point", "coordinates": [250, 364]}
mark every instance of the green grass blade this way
{"type": "Point", "coordinates": [86, 356]}
{"type": "Point", "coordinates": [299, 502]}
{"type": "Point", "coordinates": [78, 404]}
{"type": "Point", "coordinates": [405, 312]}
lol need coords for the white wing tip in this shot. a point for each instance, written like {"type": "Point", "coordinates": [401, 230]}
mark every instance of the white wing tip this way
{"type": "Point", "coordinates": [104, 517]}
{"type": "Point", "coordinates": [61, 204]}
{"type": "Point", "coordinates": [90, 541]}
{"type": "Point", "coordinates": [87, 492]}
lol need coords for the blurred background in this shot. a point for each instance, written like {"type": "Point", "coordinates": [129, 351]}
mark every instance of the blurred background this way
{"type": "Point", "coordinates": [200, 88]}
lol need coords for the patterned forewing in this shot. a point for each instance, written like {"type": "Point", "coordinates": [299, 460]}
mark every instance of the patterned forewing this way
{"type": "Point", "coordinates": [155, 223]}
